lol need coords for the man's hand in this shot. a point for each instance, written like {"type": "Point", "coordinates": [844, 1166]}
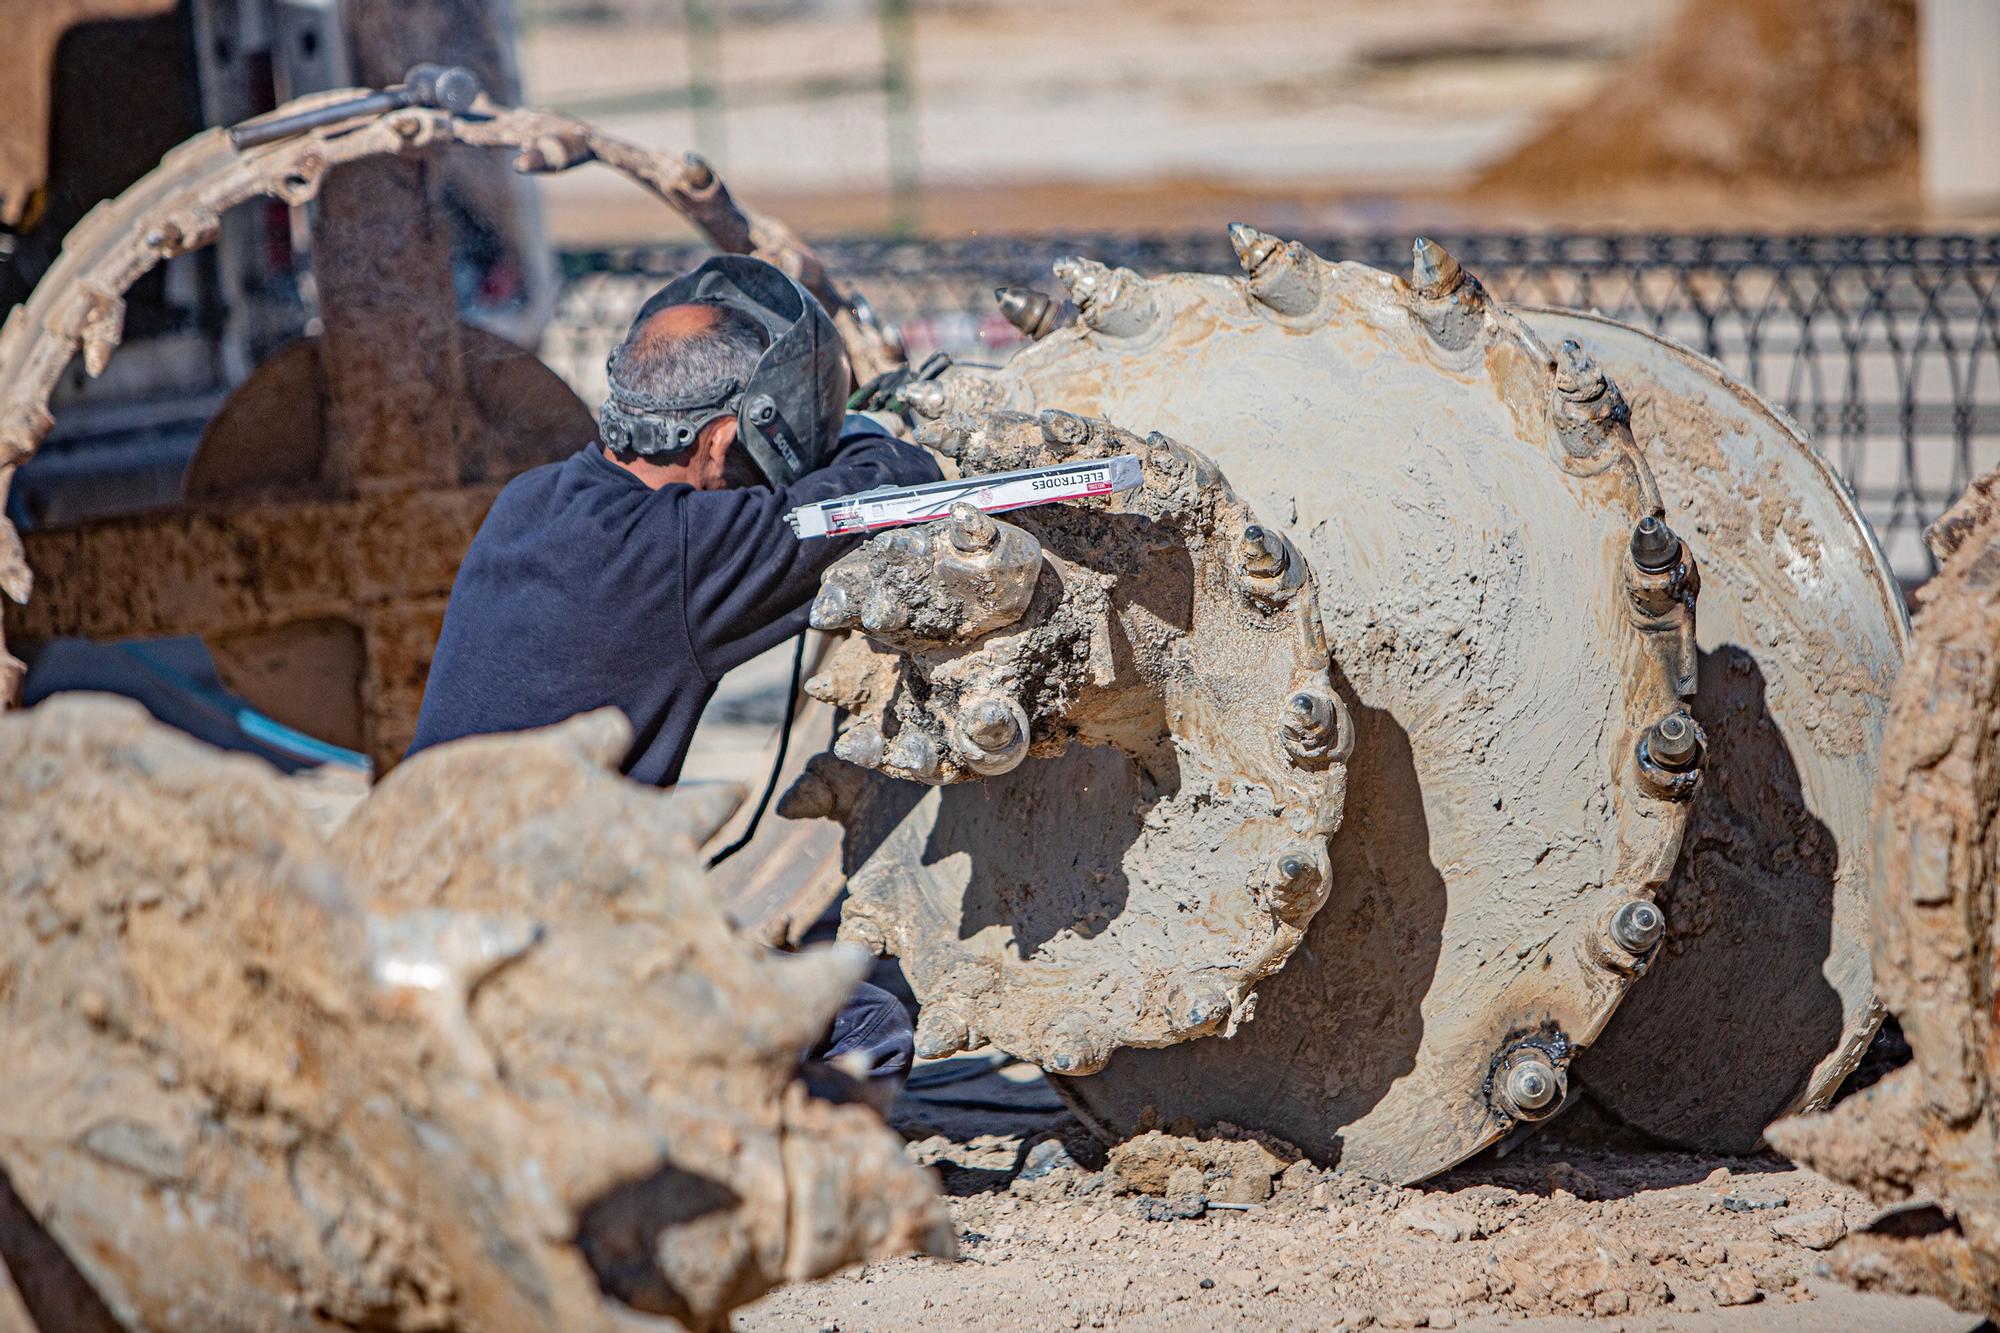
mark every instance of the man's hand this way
{"type": "Point", "coordinates": [884, 393]}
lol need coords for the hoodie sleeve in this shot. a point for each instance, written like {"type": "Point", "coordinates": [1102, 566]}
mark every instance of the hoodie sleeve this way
{"type": "Point", "coordinates": [748, 580]}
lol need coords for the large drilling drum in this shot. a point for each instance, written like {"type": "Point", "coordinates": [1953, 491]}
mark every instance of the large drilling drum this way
{"type": "Point", "coordinates": [1452, 669]}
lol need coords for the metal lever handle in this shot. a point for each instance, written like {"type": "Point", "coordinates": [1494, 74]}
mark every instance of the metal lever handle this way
{"type": "Point", "coordinates": [451, 88]}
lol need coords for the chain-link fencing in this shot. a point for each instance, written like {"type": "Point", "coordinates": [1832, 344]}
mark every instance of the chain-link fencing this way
{"type": "Point", "coordinates": [1885, 348]}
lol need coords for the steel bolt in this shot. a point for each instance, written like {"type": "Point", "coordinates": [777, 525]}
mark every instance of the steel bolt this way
{"type": "Point", "coordinates": [1531, 1086]}
{"type": "Point", "coordinates": [991, 725]}
{"type": "Point", "coordinates": [1637, 926]}
{"type": "Point", "coordinates": [763, 411]}
{"type": "Point", "coordinates": [1655, 547]}
{"type": "Point", "coordinates": [1673, 742]}
{"type": "Point", "coordinates": [971, 531]}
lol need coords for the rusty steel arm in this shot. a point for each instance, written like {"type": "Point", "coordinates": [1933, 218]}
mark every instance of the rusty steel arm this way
{"type": "Point", "coordinates": [178, 207]}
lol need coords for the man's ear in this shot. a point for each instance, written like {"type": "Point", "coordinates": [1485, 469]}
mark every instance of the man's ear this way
{"type": "Point", "coordinates": [718, 436]}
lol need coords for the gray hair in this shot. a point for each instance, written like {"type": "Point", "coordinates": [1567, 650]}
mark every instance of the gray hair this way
{"type": "Point", "coordinates": [676, 366]}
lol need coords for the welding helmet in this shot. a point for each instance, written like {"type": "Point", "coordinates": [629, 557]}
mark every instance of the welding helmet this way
{"type": "Point", "coordinates": [788, 412]}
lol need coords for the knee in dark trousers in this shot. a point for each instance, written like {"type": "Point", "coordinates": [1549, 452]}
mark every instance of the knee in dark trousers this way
{"type": "Point", "coordinates": [868, 1052]}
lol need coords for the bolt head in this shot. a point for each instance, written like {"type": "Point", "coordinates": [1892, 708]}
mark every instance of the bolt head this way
{"type": "Point", "coordinates": [1638, 926]}
{"type": "Point", "coordinates": [1531, 1085]}
{"type": "Point", "coordinates": [991, 725]}
{"type": "Point", "coordinates": [1674, 742]}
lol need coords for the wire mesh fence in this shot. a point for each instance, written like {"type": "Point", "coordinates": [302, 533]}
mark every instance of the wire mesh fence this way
{"type": "Point", "coordinates": [1885, 348]}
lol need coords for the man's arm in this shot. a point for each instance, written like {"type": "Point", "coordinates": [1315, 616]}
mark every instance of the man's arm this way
{"type": "Point", "coordinates": [748, 579]}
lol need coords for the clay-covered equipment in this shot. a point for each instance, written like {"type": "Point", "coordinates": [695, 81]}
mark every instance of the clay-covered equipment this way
{"type": "Point", "coordinates": [1511, 558]}
{"type": "Point", "coordinates": [1921, 1142]}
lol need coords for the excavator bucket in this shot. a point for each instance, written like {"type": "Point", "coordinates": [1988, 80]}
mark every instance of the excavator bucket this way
{"type": "Point", "coordinates": [1596, 623]}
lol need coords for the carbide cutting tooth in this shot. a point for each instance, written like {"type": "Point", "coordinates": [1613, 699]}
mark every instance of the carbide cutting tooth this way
{"type": "Point", "coordinates": [941, 1031]}
{"type": "Point", "coordinates": [1433, 271]}
{"type": "Point", "coordinates": [860, 744]}
{"type": "Point", "coordinates": [1637, 926]}
{"type": "Point", "coordinates": [971, 531]}
{"type": "Point", "coordinates": [1253, 248]}
{"type": "Point", "coordinates": [1655, 546]}
{"type": "Point", "coordinates": [1064, 432]}
{"type": "Point", "coordinates": [944, 437]}
{"type": "Point", "coordinates": [1262, 551]}
{"type": "Point", "coordinates": [1200, 1003]}
{"type": "Point", "coordinates": [927, 398]}
{"type": "Point", "coordinates": [1114, 302]}
{"type": "Point", "coordinates": [1578, 376]}
{"type": "Point", "coordinates": [1081, 276]}
{"type": "Point", "coordinates": [1674, 742]}
{"type": "Point", "coordinates": [833, 609]}
{"type": "Point", "coordinates": [914, 753]}
{"type": "Point", "coordinates": [1030, 311]}
{"type": "Point", "coordinates": [1532, 1087]}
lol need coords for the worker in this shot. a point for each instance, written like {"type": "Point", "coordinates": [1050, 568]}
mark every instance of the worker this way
{"type": "Point", "coordinates": [641, 569]}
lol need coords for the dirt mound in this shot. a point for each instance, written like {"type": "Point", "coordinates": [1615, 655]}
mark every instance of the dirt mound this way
{"type": "Point", "coordinates": [1056, 1237]}
{"type": "Point", "coordinates": [492, 1059]}
{"type": "Point", "coordinates": [1813, 97]}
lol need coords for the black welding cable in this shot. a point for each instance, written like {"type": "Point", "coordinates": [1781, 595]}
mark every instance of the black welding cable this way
{"type": "Point", "coordinates": [778, 764]}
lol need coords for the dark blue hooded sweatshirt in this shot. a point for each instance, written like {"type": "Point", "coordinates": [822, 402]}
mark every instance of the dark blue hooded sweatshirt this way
{"type": "Point", "coordinates": [585, 587]}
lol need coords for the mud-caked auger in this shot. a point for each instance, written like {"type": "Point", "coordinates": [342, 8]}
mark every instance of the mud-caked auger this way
{"type": "Point", "coordinates": [1169, 626]}
{"type": "Point", "coordinates": [1390, 748]}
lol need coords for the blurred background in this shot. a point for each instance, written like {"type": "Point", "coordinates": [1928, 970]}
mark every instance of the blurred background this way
{"type": "Point", "coordinates": [1807, 191]}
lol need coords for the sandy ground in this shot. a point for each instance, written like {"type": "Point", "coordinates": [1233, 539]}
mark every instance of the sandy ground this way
{"type": "Point", "coordinates": [1551, 1236]}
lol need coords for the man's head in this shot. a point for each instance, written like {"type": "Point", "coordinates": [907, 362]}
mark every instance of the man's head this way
{"type": "Point", "coordinates": [787, 405]}
{"type": "Point", "coordinates": [683, 354]}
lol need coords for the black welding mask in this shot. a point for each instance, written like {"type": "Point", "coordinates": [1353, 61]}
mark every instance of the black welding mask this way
{"type": "Point", "coordinates": [788, 412]}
